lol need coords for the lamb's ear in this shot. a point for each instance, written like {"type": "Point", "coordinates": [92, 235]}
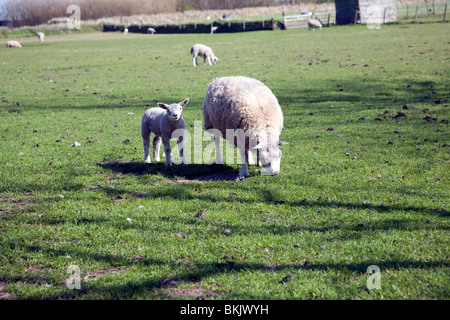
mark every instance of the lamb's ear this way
{"type": "Point", "coordinates": [162, 105]}
{"type": "Point", "coordinates": [184, 102]}
{"type": "Point", "coordinates": [280, 143]}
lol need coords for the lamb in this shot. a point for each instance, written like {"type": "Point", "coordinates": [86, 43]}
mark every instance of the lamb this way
{"type": "Point", "coordinates": [245, 108]}
{"type": "Point", "coordinates": [203, 51]}
{"type": "Point", "coordinates": [151, 30]}
{"type": "Point", "coordinates": [163, 122]}
{"type": "Point", "coordinates": [314, 23]}
{"type": "Point", "coordinates": [40, 36]}
{"type": "Point", "coordinates": [13, 44]}
{"type": "Point", "coordinates": [125, 31]}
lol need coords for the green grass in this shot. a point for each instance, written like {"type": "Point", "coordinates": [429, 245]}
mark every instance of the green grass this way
{"type": "Point", "coordinates": [372, 191]}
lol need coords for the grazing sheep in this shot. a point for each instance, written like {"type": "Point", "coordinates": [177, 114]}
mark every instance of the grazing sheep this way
{"type": "Point", "coordinates": [314, 23]}
{"type": "Point", "coordinates": [13, 44]}
{"type": "Point", "coordinates": [125, 31]}
{"type": "Point", "coordinates": [151, 30]}
{"type": "Point", "coordinates": [163, 121]}
{"type": "Point", "coordinates": [41, 36]}
{"type": "Point", "coordinates": [203, 51]}
{"type": "Point", "coordinates": [214, 29]}
{"type": "Point", "coordinates": [245, 108]}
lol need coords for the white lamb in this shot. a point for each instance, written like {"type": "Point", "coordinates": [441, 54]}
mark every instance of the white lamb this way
{"type": "Point", "coordinates": [13, 44]}
{"type": "Point", "coordinates": [151, 30]}
{"type": "Point", "coordinates": [245, 109]}
{"type": "Point", "coordinates": [163, 121]}
{"type": "Point", "coordinates": [314, 23]}
{"type": "Point", "coordinates": [203, 51]}
{"type": "Point", "coordinates": [125, 31]}
{"type": "Point", "coordinates": [41, 36]}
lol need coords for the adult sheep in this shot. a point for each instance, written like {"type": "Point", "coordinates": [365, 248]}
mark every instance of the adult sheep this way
{"type": "Point", "coordinates": [314, 23]}
{"type": "Point", "coordinates": [203, 51]}
{"type": "Point", "coordinates": [247, 114]}
{"type": "Point", "coordinates": [40, 36]}
{"type": "Point", "coordinates": [13, 44]}
{"type": "Point", "coordinates": [162, 122]}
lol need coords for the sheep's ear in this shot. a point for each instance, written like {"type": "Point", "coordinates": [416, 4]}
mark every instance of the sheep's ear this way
{"type": "Point", "coordinates": [280, 143]}
{"type": "Point", "coordinates": [258, 146]}
{"type": "Point", "coordinates": [162, 105]}
{"type": "Point", "coordinates": [184, 102]}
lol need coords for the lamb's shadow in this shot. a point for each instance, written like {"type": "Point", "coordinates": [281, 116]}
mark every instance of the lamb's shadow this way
{"type": "Point", "coordinates": [197, 172]}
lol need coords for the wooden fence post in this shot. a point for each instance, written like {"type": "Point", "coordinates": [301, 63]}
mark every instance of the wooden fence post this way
{"type": "Point", "coordinates": [407, 11]}
{"type": "Point", "coordinates": [445, 12]}
{"type": "Point", "coordinates": [384, 16]}
{"type": "Point", "coordinates": [415, 17]}
{"type": "Point", "coordinates": [356, 16]}
{"type": "Point", "coordinates": [328, 22]}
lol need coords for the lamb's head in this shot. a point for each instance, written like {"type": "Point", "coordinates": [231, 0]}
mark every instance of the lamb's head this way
{"type": "Point", "coordinates": [174, 111]}
{"type": "Point", "coordinates": [214, 60]}
{"type": "Point", "coordinates": [270, 156]}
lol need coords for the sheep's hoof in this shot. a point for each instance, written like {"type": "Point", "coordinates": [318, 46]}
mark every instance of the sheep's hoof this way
{"type": "Point", "coordinates": [147, 161]}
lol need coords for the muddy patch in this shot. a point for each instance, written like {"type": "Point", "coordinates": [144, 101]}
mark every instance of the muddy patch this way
{"type": "Point", "coordinates": [4, 295]}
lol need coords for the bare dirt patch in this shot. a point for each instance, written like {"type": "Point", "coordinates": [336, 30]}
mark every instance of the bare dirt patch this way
{"type": "Point", "coordinates": [4, 295]}
{"type": "Point", "coordinates": [198, 293]}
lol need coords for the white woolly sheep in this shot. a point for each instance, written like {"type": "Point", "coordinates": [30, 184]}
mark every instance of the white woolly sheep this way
{"type": "Point", "coordinates": [245, 108]}
{"type": "Point", "coordinates": [40, 36]}
{"type": "Point", "coordinates": [151, 30]}
{"type": "Point", "coordinates": [163, 121]}
{"type": "Point", "coordinates": [125, 31]}
{"type": "Point", "coordinates": [314, 23]}
{"type": "Point", "coordinates": [214, 29]}
{"type": "Point", "coordinates": [13, 44]}
{"type": "Point", "coordinates": [203, 51]}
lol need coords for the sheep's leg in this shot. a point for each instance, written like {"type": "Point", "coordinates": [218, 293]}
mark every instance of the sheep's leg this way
{"type": "Point", "coordinates": [219, 159]}
{"type": "Point", "coordinates": [194, 60]}
{"type": "Point", "coordinates": [180, 143]}
{"type": "Point", "coordinates": [156, 146]}
{"type": "Point", "coordinates": [244, 171]}
{"type": "Point", "coordinates": [209, 61]}
{"type": "Point", "coordinates": [167, 150]}
{"type": "Point", "coordinates": [204, 60]}
{"type": "Point", "coordinates": [249, 157]}
{"type": "Point", "coordinates": [146, 143]}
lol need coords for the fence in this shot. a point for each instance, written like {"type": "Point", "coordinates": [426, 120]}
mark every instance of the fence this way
{"type": "Point", "coordinates": [425, 11]}
{"type": "Point", "coordinates": [301, 20]}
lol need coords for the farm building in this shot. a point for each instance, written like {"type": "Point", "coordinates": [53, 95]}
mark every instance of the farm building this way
{"type": "Point", "coordinates": [365, 11]}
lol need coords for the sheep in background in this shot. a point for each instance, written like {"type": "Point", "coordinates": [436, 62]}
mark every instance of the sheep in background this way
{"type": "Point", "coordinates": [125, 31]}
{"type": "Point", "coordinates": [205, 52]}
{"type": "Point", "coordinates": [245, 108]}
{"type": "Point", "coordinates": [314, 23]}
{"type": "Point", "coordinates": [214, 29]}
{"type": "Point", "coordinates": [40, 36]}
{"type": "Point", "coordinates": [13, 44]}
{"type": "Point", "coordinates": [151, 30]}
{"type": "Point", "coordinates": [163, 121]}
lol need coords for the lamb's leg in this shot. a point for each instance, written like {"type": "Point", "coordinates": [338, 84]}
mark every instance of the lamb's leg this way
{"type": "Point", "coordinates": [167, 150]}
{"type": "Point", "coordinates": [219, 159]}
{"type": "Point", "coordinates": [204, 60]}
{"type": "Point", "coordinates": [244, 171]}
{"type": "Point", "coordinates": [249, 157]}
{"type": "Point", "coordinates": [146, 142]}
{"type": "Point", "coordinates": [180, 143]}
{"type": "Point", "coordinates": [209, 61]}
{"type": "Point", "coordinates": [156, 147]}
{"type": "Point", "coordinates": [194, 60]}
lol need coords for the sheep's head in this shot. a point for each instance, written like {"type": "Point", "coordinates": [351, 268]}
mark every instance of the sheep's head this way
{"type": "Point", "coordinates": [270, 156]}
{"type": "Point", "coordinates": [174, 111]}
{"type": "Point", "coordinates": [214, 60]}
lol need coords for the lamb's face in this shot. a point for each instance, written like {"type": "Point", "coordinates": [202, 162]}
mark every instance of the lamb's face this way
{"type": "Point", "coordinates": [214, 60]}
{"type": "Point", "coordinates": [270, 157]}
{"type": "Point", "coordinates": [175, 110]}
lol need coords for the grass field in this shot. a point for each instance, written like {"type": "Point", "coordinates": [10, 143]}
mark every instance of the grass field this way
{"type": "Point", "coordinates": [364, 179]}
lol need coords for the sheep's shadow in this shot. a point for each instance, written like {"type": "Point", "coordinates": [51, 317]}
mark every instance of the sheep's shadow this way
{"type": "Point", "coordinates": [190, 172]}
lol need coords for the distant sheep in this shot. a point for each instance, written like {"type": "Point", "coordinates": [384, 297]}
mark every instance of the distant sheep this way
{"type": "Point", "coordinates": [314, 23]}
{"type": "Point", "coordinates": [151, 30]}
{"type": "Point", "coordinates": [214, 29]}
{"type": "Point", "coordinates": [243, 108]}
{"type": "Point", "coordinates": [162, 122]}
{"type": "Point", "coordinates": [125, 31]}
{"type": "Point", "coordinates": [205, 52]}
{"type": "Point", "coordinates": [13, 44]}
{"type": "Point", "coordinates": [41, 36]}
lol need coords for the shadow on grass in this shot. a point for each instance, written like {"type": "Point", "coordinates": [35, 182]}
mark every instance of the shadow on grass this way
{"type": "Point", "coordinates": [152, 287]}
{"type": "Point", "coordinates": [201, 172]}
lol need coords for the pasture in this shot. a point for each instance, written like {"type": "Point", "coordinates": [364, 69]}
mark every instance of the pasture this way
{"type": "Point", "coordinates": [364, 179]}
